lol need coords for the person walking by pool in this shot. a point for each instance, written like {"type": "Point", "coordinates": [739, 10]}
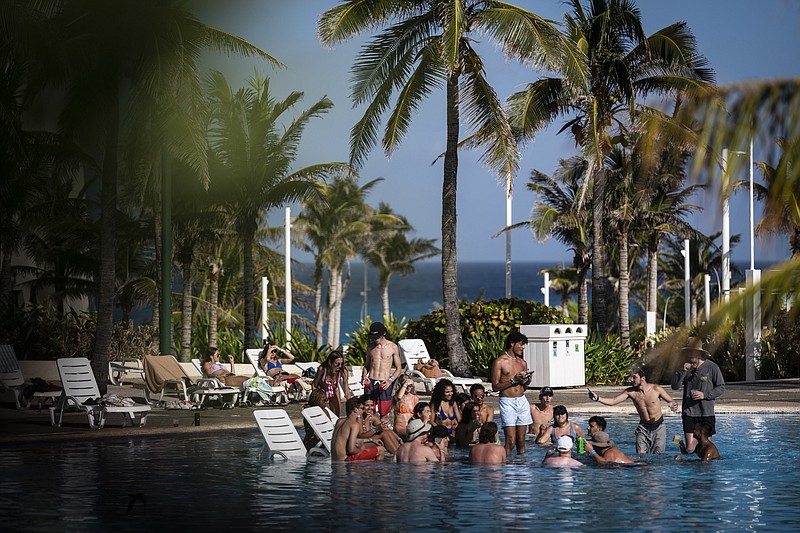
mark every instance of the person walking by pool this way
{"type": "Point", "coordinates": [542, 412]}
{"type": "Point", "coordinates": [487, 451]}
{"type": "Point", "coordinates": [443, 405]}
{"type": "Point", "coordinates": [705, 449]}
{"type": "Point", "coordinates": [332, 379]}
{"type": "Point", "coordinates": [599, 446]}
{"type": "Point", "coordinates": [212, 368]}
{"type": "Point", "coordinates": [702, 383]}
{"type": "Point", "coordinates": [561, 426]}
{"type": "Point", "coordinates": [403, 403]}
{"type": "Point", "coordinates": [510, 376]}
{"type": "Point", "coordinates": [378, 376]}
{"type": "Point", "coordinates": [414, 449]}
{"type": "Point", "coordinates": [478, 394]}
{"type": "Point", "coordinates": [345, 444]}
{"type": "Point", "coordinates": [564, 456]}
{"type": "Point", "coordinates": [372, 427]}
{"type": "Point", "coordinates": [651, 433]}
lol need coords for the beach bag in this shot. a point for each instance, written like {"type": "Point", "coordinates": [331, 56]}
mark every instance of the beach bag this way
{"type": "Point", "coordinates": [427, 369]}
{"type": "Point", "coordinates": [310, 373]}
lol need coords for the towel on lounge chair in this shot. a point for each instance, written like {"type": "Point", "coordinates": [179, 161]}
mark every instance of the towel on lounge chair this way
{"type": "Point", "coordinates": [160, 369]}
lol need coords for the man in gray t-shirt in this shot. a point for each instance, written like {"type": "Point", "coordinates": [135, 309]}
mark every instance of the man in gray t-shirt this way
{"type": "Point", "coordinates": [702, 383]}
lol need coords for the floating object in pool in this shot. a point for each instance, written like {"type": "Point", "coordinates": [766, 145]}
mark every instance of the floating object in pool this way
{"type": "Point", "coordinates": [677, 439]}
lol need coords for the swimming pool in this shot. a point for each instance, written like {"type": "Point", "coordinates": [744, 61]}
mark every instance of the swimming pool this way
{"type": "Point", "coordinates": [89, 487]}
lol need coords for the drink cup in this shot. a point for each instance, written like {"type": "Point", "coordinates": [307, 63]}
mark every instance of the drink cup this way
{"type": "Point", "coordinates": [175, 422]}
{"type": "Point", "coordinates": [677, 439]}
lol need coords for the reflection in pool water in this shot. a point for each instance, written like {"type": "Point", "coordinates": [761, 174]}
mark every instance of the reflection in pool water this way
{"type": "Point", "coordinates": [223, 483]}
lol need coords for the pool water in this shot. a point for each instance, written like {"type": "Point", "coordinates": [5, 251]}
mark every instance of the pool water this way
{"type": "Point", "coordinates": [224, 482]}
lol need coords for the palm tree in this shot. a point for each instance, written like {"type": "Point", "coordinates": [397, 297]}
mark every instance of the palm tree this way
{"type": "Point", "coordinates": [427, 44]}
{"type": "Point", "coordinates": [391, 252]}
{"type": "Point", "coordinates": [331, 227]}
{"type": "Point", "coordinates": [559, 212]}
{"type": "Point", "coordinates": [623, 66]}
{"type": "Point", "coordinates": [563, 280]}
{"type": "Point", "coordinates": [254, 155]}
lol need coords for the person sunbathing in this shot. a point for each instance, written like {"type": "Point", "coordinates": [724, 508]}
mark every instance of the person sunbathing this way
{"type": "Point", "coordinates": [212, 368]}
{"type": "Point", "coordinates": [272, 365]}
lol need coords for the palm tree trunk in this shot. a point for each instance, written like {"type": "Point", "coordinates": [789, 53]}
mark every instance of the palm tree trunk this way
{"type": "Point", "coordinates": [455, 344]}
{"type": "Point", "coordinates": [332, 275]}
{"type": "Point", "coordinates": [598, 249]}
{"type": "Point", "coordinates": [5, 277]}
{"type": "Point", "coordinates": [108, 244]}
{"type": "Point", "coordinates": [624, 287]}
{"type": "Point", "coordinates": [385, 294]}
{"type": "Point", "coordinates": [319, 310]}
{"type": "Point", "coordinates": [156, 320]}
{"type": "Point", "coordinates": [213, 288]}
{"type": "Point", "coordinates": [186, 311]}
{"type": "Point", "coordinates": [581, 267]}
{"type": "Point", "coordinates": [248, 236]}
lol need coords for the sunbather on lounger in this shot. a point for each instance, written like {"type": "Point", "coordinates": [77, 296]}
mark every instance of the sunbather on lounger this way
{"type": "Point", "coordinates": [272, 364]}
{"type": "Point", "coordinates": [213, 368]}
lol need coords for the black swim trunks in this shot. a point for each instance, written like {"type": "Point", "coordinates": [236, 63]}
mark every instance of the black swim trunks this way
{"type": "Point", "coordinates": [690, 421]}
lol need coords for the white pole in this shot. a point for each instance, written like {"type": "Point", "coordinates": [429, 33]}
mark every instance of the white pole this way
{"type": "Point", "coordinates": [752, 325]}
{"type": "Point", "coordinates": [664, 322]}
{"type": "Point", "coordinates": [264, 307]}
{"type": "Point", "coordinates": [546, 288]}
{"type": "Point", "coordinates": [707, 285]}
{"type": "Point", "coordinates": [288, 269]}
{"type": "Point", "coordinates": [726, 229]}
{"type": "Point", "coordinates": [508, 239]}
{"type": "Point", "coordinates": [752, 215]}
{"type": "Point", "coordinates": [687, 284]}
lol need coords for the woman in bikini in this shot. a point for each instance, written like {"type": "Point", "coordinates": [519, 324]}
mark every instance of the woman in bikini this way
{"type": "Point", "coordinates": [332, 378]}
{"type": "Point", "coordinates": [272, 365]}
{"type": "Point", "coordinates": [443, 404]}
{"type": "Point", "coordinates": [561, 426]}
{"type": "Point", "coordinates": [212, 368]}
{"type": "Point", "coordinates": [404, 402]}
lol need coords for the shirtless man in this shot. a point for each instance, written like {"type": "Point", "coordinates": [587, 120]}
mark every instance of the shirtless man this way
{"type": "Point", "coordinates": [487, 451]}
{"type": "Point", "coordinates": [478, 394]}
{"type": "Point", "coordinates": [510, 376]}
{"type": "Point", "coordinates": [373, 428]}
{"type": "Point", "coordinates": [377, 376]}
{"type": "Point", "coordinates": [542, 413]}
{"type": "Point", "coordinates": [651, 433]}
{"type": "Point", "coordinates": [599, 446]}
{"type": "Point", "coordinates": [414, 449]}
{"type": "Point", "coordinates": [564, 457]}
{"type": "Point", "coordinates": [705, 449]}
{"type": "Point", "coordinates": [345, 444]}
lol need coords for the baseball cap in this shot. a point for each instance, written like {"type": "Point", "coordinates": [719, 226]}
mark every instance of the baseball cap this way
{"type": "Point", "coordinates": [546, 391]}
{"type": "Point", "coordinates": [564, 443]}
{"type": "Point", "coordinates": [376, 329]}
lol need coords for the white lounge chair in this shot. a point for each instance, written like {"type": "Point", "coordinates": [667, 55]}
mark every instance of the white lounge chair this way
{"type": "Point", "coordinates": [80, 387]}
{"type": "Point", "coordinates": [119, 370]}
{"type": "Point", "coordinates": [208, 387]}
{"type": "Point", "coordinates": [12, 382]}
{"type": "Point", "coordinates": [354, 380]}
{"type": "Point", "coordinates": [413, 351]}
{"type": "Point", "coordinates": [281, 438]}
{"type": "Point", "coordinates": [321, 424]}
{"type": "Point", "coordinates": [165, 378]}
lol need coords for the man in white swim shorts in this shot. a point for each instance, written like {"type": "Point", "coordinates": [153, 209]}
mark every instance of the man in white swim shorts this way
{"type": "Point", "coordinates": [510, 376]}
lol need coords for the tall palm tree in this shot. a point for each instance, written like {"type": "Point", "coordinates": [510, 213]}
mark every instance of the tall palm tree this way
{"type": "Point", "coordinates": [254, 153]}
{"type": "Point", "coordinates": [429, 44]}
{"type": "Point", "coordinates": [391, 252]}
{"type": "Point", "coordinates": [559, 211]}
{"type": "Point", "coordinates": [623, 66]}
{"type": "Point", "coordinates": [332, 226]}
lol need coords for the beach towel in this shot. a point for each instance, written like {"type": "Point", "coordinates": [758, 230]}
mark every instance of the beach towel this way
{"type": "Point", "coordinates": [159, 369]}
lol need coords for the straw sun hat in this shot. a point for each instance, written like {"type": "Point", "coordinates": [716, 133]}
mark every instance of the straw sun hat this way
{"type": "Point", "coordinates": [694, 347]}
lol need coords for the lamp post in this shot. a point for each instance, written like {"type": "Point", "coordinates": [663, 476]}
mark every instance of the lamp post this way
{"type": "Point", "coordinates": [664, 321]}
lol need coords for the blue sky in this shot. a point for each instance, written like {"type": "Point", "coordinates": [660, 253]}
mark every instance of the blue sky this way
{"type": "Point", "coordinates": [742, 39]}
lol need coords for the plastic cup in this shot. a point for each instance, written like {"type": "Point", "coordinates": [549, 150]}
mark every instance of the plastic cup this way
{"type": "Point", "coordinates": [175, 422]}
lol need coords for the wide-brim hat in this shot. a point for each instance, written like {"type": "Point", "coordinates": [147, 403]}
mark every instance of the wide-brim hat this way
{"type": "Point", "coordinates": [694, 347]}
{"type": "Point", "coordinates": [415, 428]}
{"type": "Point", "coordinates": [600, 440]}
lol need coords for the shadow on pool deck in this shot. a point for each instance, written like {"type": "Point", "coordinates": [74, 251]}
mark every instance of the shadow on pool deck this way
{"type": "Point", "coordinates": [33, 425]}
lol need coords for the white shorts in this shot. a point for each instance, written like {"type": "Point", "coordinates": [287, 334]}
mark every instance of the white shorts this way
{"type": "Point", "coordinates": [515, 411]}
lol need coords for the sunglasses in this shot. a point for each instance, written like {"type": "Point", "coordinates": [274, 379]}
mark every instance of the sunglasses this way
{"type": "Point", "coordinates": [479, 396]}
{"type": "Point", "coordinates": [274, 351]}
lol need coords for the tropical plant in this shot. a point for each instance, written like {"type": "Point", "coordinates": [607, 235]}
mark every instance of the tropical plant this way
{"type": "Point", "coordinates": [608, 360]}
{"type": "Point", "coordinates": [427, 44]}
{"type": "Point", "coordinates": [389, 250]}
{"type": "Point", "coordinates": [780, 349]}
{"type": "Point", "coordinates": [252, 158]}
{"type": "Point", "coordinates": [623, 66]}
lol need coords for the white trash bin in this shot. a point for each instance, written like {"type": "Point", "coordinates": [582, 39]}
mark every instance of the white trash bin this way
{"type": "Point", "coordinates": [555, 352]}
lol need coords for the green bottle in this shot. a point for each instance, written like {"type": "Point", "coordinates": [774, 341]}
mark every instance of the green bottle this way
{"type": "Point", "coordinates": [581, 448]}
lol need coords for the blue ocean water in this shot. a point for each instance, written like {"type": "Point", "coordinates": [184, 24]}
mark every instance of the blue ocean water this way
{"type": "Point", "coordinates": [421, 292]}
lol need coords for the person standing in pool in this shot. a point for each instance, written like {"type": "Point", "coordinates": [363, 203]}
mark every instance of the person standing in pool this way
{"type": "Point", "coordinates": [564, 457]}
{"type": "Point", "coordinates": [414, 449]}
{"type": "Point", "coordinates": [487, 451]}
{"type": "Point", "coordinates": [651, 433]}
{"type": "Point", "coordinates": [542, 413]}
{"type": "Point", "coordinates": [478, 394]}
{"type": "Point", "coordinates": [510, 376]}
{"type": "Point", "coordinates": [705, 449]}
{"type": "Point", "coordinates": [702, 383]}
{"type": "Point", "coordinates": [377, 376]}
{"type": "Point", "coordinates": [561, 426]}
{"type": "Point", "coordinates": [600, 447]}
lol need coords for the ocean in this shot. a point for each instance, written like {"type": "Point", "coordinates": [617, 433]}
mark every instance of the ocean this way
{"type": "Point", "coordinates": [420, 293]}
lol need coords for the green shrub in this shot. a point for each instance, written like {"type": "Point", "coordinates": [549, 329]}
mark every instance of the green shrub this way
{"type": "Point", "coordinates": [780, 349]}
{"type": "Point", "coordinates": [608, 360]}
{"type": "Point", "coordinates": [481, 350]}
{"type": "Point", "coordinates": [487, 322]}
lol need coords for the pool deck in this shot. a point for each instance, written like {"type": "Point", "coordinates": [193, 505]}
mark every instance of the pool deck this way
{"type": "Point", "coordinates": [32, 425]}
